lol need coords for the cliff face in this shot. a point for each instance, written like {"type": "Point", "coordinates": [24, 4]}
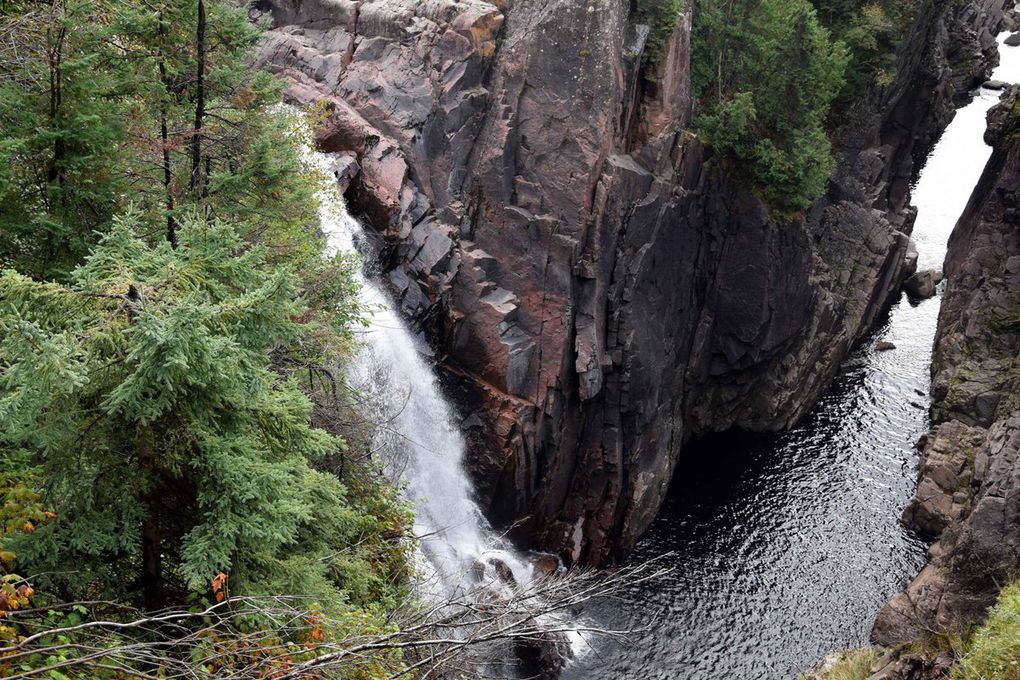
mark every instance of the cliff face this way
{"type": "Point", "coordinates": [597, 288]}
{"type": "Point", "coordinates": [969, 488]}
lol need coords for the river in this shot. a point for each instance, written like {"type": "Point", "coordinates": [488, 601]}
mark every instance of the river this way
{"type": "Point", "coordinates": [786, 546]}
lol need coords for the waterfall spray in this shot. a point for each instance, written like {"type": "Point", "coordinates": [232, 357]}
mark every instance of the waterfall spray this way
{"type": "Point", "coordinates": [416, 432]}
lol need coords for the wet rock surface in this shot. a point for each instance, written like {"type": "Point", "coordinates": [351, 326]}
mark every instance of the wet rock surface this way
{"type": "Point", "coordinates": [922, 284]}
{"type": "Point", "coordinates": [969, 488]}
{"type": "Point", "coordinates": [598, 288]}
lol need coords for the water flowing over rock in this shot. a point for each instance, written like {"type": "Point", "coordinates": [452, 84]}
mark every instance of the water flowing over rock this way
{"type": "Point", "coordinates": [422, 448]}
{"type": "Point", "coordinates": [599, 288]}
{"type": "Point", "coordinates": [416, 434]}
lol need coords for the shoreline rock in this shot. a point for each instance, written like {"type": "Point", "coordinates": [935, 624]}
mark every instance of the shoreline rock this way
{"type": "Point", "coordinates": [923, 284]}
{"type": "Point", "coordinates": [968, 493]}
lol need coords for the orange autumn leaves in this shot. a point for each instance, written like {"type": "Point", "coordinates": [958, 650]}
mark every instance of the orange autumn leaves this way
{"type": "Point", "coordinates": [219, 586]}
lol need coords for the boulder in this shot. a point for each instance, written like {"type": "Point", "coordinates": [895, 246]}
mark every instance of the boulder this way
{"type": "Point", "coordinates": [542, 656]}
{"type": "Point", "coordinates": [884, 346]}
{"type": "Point", "coordinates": [544, 564]}
{"type": "Point", "coordinates": [1013, 40]}
{"type": "Point", "coordinates": [944, 478]}
{"type": "Point", "coordinates": [995, 84]}
{"type": "Point", "coordinates": [923, 283]}
{"type": "Point", "coordinates": [345, 169]}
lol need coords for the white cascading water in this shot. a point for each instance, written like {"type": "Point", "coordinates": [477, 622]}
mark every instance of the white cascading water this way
{"type": "Point", "coordinates": [416, 432]}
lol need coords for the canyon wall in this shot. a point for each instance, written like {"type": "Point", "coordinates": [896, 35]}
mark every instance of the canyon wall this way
{"type": "Point", "coordinates": [597, 287]}
{"type": "Point", "coordinates": [969, 488]}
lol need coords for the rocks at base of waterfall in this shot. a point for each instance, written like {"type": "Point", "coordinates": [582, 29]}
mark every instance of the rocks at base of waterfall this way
{"type": "Point", "coordinates": [543, 656]}
{"type": "Point", "coordinates": [884, 346]}
{"type": "Point", "coordinates": [545, 564]}
{"type": "Point", "coordinates": [345, 170]}
{"type": "Point", "coordinates": [503, 571]}
{"type": "Point", "coordinates": [994, 84]}
{"type": "Point", "coordinates": [500, 569]}
{"type": "Point", "coordinates": [923, 284]}
{"type": "Point", "coordinates": [1013, 40]}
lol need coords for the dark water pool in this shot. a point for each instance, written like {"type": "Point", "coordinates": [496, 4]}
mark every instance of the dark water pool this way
{"type": "Point", "coordinates": [786, 546]}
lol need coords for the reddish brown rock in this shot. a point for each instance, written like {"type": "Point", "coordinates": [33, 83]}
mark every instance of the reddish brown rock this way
{"type": "Point", "coordinates": [600, 289]}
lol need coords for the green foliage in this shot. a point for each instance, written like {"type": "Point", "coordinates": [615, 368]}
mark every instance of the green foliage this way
{"type": "Point", "coordinates": [149, 392]}
{"type": "Point", "coordinates": [766, 74]}
{"type": "Point", "coordinates": [872, 30]}
{"type": "Point", "coordinates": [993, 653]}
{"type": "Point", "coordinates": [146, 386]}
{"type": "Point", "coordinates": [854, 664]}
{"type": "Point", "coordinates": [163, 294]}
{"type": "Point", "coordinates": [662, 18]}
{"type": "Point", "coordinates": [62, 113]}
{"type": "Point", "coordinates": [104, 102]}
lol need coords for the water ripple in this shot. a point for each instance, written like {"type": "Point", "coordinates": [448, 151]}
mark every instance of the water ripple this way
{"type": "Point", "coordinates": [787, 545]}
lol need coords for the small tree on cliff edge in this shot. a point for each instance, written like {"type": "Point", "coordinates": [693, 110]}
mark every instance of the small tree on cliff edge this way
{"type": "Point", "coordinates": [169, 449]}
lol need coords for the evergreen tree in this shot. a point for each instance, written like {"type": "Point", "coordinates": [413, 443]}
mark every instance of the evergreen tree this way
{"type": "Point", "coordinates": [766, 73]}
{"type": "Point", "coordinates": [203, 131]}
{"type": "Point", "coordinates": [62, 112]}
{"type": "Point", "coordinates": [105, 102]}
{"type": "Point", "coordinates": [169, 448]}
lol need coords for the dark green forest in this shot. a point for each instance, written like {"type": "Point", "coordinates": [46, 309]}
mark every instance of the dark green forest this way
{"type": "Point", "coordinates": [171, 338]}
{"type": "Point", "coordinates": [774, 79]}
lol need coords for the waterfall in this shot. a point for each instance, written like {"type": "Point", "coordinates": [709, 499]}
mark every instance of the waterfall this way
{"type": "Point", "coordinates": [955, 164]}
{"type": "Point", "coordinates": [416, 431]}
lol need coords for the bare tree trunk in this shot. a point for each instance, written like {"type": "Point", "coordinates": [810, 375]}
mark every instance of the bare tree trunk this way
{"type": "Point", "coordinates": [54, 174]}
{"type": "Point", "coordinates": [196, 139]}
{"type": "Point", "coordinates": [151, 576]}
{"type": "Point", "coordinates": [164, 136]}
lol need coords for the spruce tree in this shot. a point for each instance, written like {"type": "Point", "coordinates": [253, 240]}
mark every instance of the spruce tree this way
{"type": "Point", "coordinates": [62, 113]}
{"type": "Point", "coordinates": [170, 449]}
{"type": "Point", "coordinates": [766, 74]}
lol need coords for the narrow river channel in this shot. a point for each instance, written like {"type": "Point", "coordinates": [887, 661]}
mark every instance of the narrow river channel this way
{"type": "Point", "coordinates": [786, 546]}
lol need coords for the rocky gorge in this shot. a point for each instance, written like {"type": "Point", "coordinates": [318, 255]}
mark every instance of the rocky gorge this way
{"type": "Point", "coordinates": [560, 339]}
{"type": "Point", "coordinates": [966, 488]}
{"type": "Point", "coordinates": [599, 289]}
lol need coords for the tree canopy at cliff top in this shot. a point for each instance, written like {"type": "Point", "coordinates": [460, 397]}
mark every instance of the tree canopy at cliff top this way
{"type": "Point", "coordinates": [766, 74]}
